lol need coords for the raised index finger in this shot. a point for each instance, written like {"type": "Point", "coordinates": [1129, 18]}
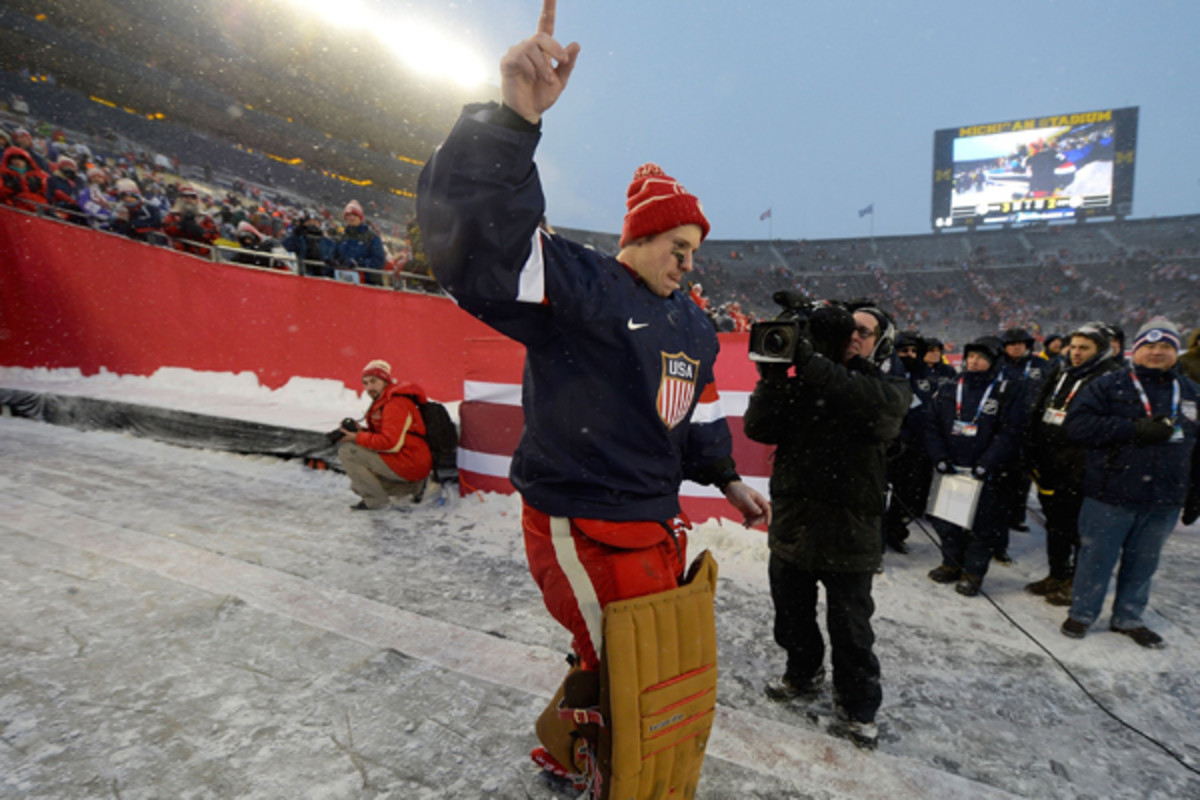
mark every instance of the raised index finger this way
{"type": "Point", "coordinates": [546, 20]}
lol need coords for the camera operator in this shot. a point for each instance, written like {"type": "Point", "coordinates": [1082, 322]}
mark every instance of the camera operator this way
{"type": "Point", "coordinates": [389, 457]}
{"type": "Point", "coordinates": [832, 422]}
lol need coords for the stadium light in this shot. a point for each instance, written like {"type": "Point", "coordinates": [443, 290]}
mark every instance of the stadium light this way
{"type": "Point", "coordinates": [421, 47]}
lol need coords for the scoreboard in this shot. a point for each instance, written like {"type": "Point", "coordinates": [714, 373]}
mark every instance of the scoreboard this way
{"type": "Point", "coordinates": [1058, 167]}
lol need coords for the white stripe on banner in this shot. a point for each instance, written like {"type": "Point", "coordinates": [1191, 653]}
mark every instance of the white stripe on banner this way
{"type": "Point", "coordinates": [483, 463]}
{"type": "Point", "coordinates": [735, 403]}
{"type": "Point", "coordinates": [691, 489]}
{"type": "Point", "coordinates": [578, 579]}
{"type": "Point", "coordinates": [708, 412]}
{"type": "Point", "coordinates": [502, 394]}
{"type": "Point", "coordinates": [532, 287]}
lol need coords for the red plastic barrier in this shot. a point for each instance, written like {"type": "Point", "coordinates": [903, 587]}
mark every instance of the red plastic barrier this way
{"type": "Point", "coordinates": [74, 297]}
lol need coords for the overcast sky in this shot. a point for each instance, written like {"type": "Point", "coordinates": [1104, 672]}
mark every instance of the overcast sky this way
{"type": "Point", "coordinates": [818, 109]}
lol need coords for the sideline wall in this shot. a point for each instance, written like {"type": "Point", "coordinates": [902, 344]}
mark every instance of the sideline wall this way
{"type": "Point", "coordinates": [74, 297]}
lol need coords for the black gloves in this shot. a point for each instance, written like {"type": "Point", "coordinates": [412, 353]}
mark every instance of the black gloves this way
{"type": "Point", "coordinates": [946, 468]}
{"type": "Point", "coordinates": [1153, 431]}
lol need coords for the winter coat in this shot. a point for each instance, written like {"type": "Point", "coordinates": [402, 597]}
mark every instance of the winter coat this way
{"type": "Point", "coordinates": [25, 190]}
{"type": "Point", "coordinates": [832, 424]}
{"type": "Point", "coordinates": [63, 192]}
{"type": "Point", "coordinates": [1027, 373]}
{"type": "Point", "coordinates": [1057, 462]}
{"type": "Point", "coordinates": [360, 247]}
{"type": "Point", "coordinates": [95, 202]}
{"type": "Point", "coordinates": [136, 222]}
{"type": "Point", "coordinates": [308, 247]}
{"type": "Point", "coordinates": [618, 395]}
{"type": "Point", "coordinates": [999, 421]}
{"type": "Point", "coordinates": [192, 232]}
{"type": "Point", "coordinates": [1119, 470]}
{"type": "Point", "coordinates": [396, 431]}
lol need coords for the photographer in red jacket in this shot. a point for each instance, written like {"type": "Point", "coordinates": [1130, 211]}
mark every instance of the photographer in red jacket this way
{"type": "Point", "coordinates": [389, 457]}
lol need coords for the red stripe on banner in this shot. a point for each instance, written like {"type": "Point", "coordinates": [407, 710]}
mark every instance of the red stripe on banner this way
{"type": "Point", "coordinates": [490, 428]}
{"type": "Point", "coordinates": [494, 359]}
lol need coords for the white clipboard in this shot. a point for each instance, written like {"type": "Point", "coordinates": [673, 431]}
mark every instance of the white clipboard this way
{"type": "Point", "coordinates": [954, 498]}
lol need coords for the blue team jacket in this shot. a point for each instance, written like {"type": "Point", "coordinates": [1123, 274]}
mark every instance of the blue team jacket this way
{"type": "Point", "coordinates": [1119, 471]}
{"type": "Point", "coordinates": [614, 374]}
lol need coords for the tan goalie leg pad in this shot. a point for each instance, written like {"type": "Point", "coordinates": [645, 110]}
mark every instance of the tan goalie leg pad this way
{"type": "Point", "coordinates": [658, 689]}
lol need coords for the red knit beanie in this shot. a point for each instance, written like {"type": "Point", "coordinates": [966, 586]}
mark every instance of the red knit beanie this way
{"type": "Point", "coordinates": [379, 369]}
{"type": "Point", "coordinates": [657, 202]}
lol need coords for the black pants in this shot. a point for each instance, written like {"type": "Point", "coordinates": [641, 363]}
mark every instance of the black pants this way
{"type": "Point", "coordinates": [848, 617]}
{"type": "Point", "coordinates": [1062, 530]}
{"type": "Point", "coordinates": [910, 474]}
{"type": "Point", "coordinates": [972, 550]}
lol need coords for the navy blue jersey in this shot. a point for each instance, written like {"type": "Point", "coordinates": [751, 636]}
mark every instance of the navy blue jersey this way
{"type": "Point", "coordinates": [618, 393]}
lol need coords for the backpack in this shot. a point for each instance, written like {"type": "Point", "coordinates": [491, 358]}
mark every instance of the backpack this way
{"type": "Point", "coordinates": [442, 437]}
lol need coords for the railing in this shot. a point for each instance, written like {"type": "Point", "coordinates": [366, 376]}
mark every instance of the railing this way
{"type": "Point", "coordinates": [276, 260]}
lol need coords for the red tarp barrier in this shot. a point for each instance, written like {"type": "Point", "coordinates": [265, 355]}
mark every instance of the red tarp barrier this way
{"type": "Point", "coordinates": [74, 297]}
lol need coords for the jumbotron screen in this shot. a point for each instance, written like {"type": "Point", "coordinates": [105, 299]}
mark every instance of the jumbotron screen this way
{"type": "Point", "coordinates": [1059, 167]}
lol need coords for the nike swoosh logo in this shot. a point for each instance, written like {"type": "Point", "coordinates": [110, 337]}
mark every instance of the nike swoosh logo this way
{"type": "Point", "coordinates": [636, 326]}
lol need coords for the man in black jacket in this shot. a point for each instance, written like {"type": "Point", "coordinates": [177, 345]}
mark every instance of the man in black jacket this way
{"type": "Point", "coordinates": [832, 423]}
{"type": "Point", "coordinates": [1057, 462]}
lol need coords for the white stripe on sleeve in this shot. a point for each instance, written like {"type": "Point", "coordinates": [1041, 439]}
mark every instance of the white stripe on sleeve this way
{"type": "Point", "coordinates": [532, 286]}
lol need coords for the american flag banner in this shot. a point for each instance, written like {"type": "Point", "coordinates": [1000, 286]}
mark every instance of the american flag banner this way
{"type": "Point", "coordinates": [677, 387]}
{"type": "Point", "coordinates": [765, 215]}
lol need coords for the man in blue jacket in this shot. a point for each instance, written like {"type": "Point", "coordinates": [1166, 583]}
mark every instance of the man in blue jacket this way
{"type": "Point", "coordinates": [1140, 427]}
{"type": "Point", "coordinates": [618, 394]}
{"type": "Point", "coordinates": [360, 246]}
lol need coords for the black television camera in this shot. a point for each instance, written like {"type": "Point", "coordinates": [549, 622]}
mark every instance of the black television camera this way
{"type": "Point", "coordinates": [779, 340]}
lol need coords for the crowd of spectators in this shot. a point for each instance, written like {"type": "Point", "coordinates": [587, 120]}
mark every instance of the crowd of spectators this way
{"type": "Point", "coordinates": [143, 197]}
{"type": "Point", "coordinates": [959, 286]}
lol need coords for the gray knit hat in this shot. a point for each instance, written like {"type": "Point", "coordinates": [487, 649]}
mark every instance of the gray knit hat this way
{"type": "Point", "coordinates": [1158, 329]}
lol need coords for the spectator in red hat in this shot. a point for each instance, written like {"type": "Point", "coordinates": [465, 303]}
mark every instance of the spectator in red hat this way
{"type": "Point", "coordinates": [389, 456]}
{"type": "Point", "coordinates": [360, 246]}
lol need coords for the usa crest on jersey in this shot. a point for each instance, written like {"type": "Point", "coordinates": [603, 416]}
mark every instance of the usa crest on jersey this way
{"type": "Point", "coordinates": [677, 387]}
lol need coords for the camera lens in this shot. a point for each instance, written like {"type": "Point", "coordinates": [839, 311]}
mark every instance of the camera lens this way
{"type": "Point", "coordinates": [776, 342]}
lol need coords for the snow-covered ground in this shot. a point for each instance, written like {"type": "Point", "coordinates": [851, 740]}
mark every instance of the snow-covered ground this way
{"type": "Point", "coordinates": [188, 623]}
